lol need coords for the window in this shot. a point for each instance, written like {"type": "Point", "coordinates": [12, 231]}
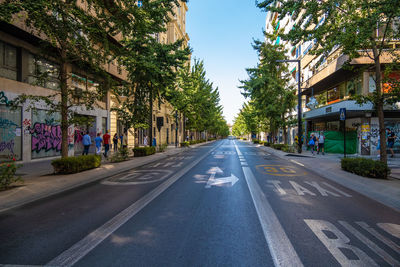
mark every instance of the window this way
{"type": "Point", "coordinates": [8, 61]}
{"type": "Point", "coordinates": [43, 73]}
{"type": "Point", "coordinates": [83, 83]}
{"type": "Point", "coordinates": [333, 95]}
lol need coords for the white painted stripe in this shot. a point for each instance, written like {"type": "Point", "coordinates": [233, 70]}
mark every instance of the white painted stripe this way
{"type": "Point", "coordinates": [377, 235]}
{"type": "Point", "coordinates": [280, 247]}
{"type": "Point", "coordinates": [87, 244]}
{"type": "Point", "coordinates": [298, 163]}
{"type": "Point", "coordinates": [383, 254]}
{"type": "Point", "coordinates": [337, 189]}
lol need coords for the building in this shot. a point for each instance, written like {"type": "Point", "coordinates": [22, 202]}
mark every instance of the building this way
{"type": "Point", "coordinates": [327, 88]}
{"type": "Point", "coordinates": [28, 135]}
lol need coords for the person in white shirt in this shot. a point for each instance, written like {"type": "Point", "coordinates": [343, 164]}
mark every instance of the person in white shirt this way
{"type": "Point", "coordinates": [321, 142]}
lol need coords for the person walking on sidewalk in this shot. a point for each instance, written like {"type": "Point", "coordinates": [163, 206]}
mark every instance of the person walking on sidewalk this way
{"type": "Point", "coordinates": [311, 143]}
{"type": "Point", "coordinates": [115, 142]}
{"type": "Point", "coordinates": [106, 142]}
{"type": "Point", "coordinates": [86, 141]}
{"type": "Point", "coordinates": [98, 140]}
{"type": "Point", "coordinates": [321, 143]}
{"type": "Point", "coordinates": [391, 139]}
{"type": "Point", "coordinates": [125, 139]}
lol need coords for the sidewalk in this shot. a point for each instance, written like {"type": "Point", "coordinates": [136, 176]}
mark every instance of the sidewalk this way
{"type": "Point", "coordinates": [328, 166]}
{"type": "Point", "coordinates": [40, 182]}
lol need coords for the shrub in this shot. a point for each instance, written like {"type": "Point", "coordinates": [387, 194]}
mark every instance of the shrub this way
{"type": "Point", "coordinates": [76, 164]}
{"type": "Point", "coordinates": [184, 144]}
{"type": "Point", "coordinates": [267, 144]}
{"type": "Point", "coordinates": [278, 146]}
{"type": "Point", "coordinates": [256, 141]}
{"type": "Point", "coordinates": [143, 151]}
{"type": "Point", "coordinates": [289, 149]}
{"type": "Point", "coordinates": [162, 148]}
{"type": "Point", "coordinates": [366, 167]}
{"type": "Point", "coordinates": [121, 155]}
{"type": "Point", "coordinates": [7, 174]}
{"type": "Point", "coordinates": [245, 139]}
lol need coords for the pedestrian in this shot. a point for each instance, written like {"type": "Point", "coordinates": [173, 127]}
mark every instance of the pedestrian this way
{"type": "Point", "coordinates": [391, 139]}
{"type": "Point", "coordinates": [86, 141]}
{"type": "Point", "coordinates": [154, 142]}
{"type": "Point", "coordinates": [106, 142]}
{"type": "Point", "coordinates": [378, 147]}
{"type": "Point", "coordinates": [311, 143]}
{"type": "Point", "coordinates": [321, 143]}
{"type": "Point", "coordinates": [115, 142]}
{"type": "Point", "coordinates": [98, 140]}
{"type": "Point", "coordinates": [145, 141]}
{"type": "Point", "coordinates": [125, 139]}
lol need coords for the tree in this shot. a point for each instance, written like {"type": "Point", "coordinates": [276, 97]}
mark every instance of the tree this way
{"type": "Point", "coordinates": [360, 28]}
{"type": "Point", "coordinates": [78, 33]}
{"type": "Point", "coordinates": [198, 100]}
{"type": "Point", "coordinates": [269, 88]}
{"type": "Point", "coordinates": [152, 66]}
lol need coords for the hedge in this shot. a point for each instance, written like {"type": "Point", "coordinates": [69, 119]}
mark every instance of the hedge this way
{"type": "Point", "coordinates": [256, 141]}
{"type": "Point", "coordinates": [184, 144]}
{"type": "Point", "coordinates": [279, 146]}
{"type": "Point", "coordinates": [267, 144]}
{"type": "Point", "coordinates": [366, 167]}
{"type": "Point", "coordinates": [143, 151]}
{"type": "Point", "coordinates": [76, 164]}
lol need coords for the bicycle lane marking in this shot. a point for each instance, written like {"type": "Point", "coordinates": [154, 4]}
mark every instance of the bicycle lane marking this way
{"type": "Point", "coordinates": [281, 249]}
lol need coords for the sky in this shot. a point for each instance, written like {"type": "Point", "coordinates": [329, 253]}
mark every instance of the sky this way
{"type": "Point", "coordinates": [221, 33]}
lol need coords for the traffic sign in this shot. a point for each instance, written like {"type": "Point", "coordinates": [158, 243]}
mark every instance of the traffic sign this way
{"type": "Point", "coordinates": [342, 113]}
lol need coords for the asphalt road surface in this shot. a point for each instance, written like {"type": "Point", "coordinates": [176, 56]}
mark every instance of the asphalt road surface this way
{"type": "Point", "coordinates": [227, 203]}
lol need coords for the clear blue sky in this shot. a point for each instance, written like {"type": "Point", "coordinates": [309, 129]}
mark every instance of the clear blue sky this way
{"type": "Point", "coordinates": [221, 33]}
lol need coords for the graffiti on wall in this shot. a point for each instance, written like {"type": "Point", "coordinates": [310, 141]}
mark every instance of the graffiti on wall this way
{"type": "Point", "coordinates": [4, 99]}
{"type": "Point", "coordinates": [46, 136]}
{"type": "Point", "coordinates": [10, 133]}
{"type": "Point", "coordinates": [7, 145]}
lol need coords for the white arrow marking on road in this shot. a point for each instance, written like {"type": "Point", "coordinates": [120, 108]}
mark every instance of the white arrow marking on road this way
{"type": "Point", "coordinates": [232, 180]}
{"type": "Point", "coordinates": [214, 170]}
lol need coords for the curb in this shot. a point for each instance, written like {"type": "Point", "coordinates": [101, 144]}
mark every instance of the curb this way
{"type": "Point", "coordinates": [95, 175]}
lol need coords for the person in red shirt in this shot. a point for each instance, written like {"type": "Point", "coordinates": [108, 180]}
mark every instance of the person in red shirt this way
{"type": "Point", "coordinates": [106, 142]}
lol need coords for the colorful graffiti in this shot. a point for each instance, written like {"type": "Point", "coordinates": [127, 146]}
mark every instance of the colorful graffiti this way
{"type": "Point", "coordinates": [7, 146]}
{"type": "Point", "coordinates": [4, 99]}
{"type": "Point", "coordinates": [45, 136]}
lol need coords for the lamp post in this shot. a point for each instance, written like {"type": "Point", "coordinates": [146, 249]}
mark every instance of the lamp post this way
{"type": "Point", "coordinates": [299, 120]}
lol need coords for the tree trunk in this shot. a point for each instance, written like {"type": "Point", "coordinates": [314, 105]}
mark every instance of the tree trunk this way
{"type": "Point", "coordinates": [284, 130]}
{"type": "Point", "coordinates": [64, 107]}
{"type": "Point", "coordinates": [379, 105]}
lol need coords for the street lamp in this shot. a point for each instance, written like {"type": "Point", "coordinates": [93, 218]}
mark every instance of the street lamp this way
{"type": "Point", "coordinates": [299, 120]}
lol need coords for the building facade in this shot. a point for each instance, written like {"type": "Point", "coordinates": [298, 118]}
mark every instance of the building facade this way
{"type": "Point", "coordinates": [27, 135]}
{"type": "Point", "coordinates": [327, 88]}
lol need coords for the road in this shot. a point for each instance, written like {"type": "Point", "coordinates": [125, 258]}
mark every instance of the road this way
{"type": "Point", "coordinates": [227, 203]}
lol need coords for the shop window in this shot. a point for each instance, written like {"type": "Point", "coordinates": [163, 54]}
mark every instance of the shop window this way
{"type": "Point", "coordinates": [333, 95]}
{"type": "Point", "coordinates": [10, 133]}
{"type": "Point", "coordinates": [354, 86]}
{"type": "Point", "coordinates": [333, 126]}
{"type": "Point", "coordinates": [8, 61]}
{"type": "Point", "coordinates": [321, 99]}
{"type": "Point", "coordinates": [43, 73]}
{"type": "Point", "coordinates": [342, 91]}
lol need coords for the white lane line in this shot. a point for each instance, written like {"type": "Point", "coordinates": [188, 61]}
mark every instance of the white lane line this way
{"type": "Point", "coordinates": [280, 247]}
{"type": "Point", "coordinates": [87, 244]}
{"type": "Point", "coordinates": [298, 163]}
